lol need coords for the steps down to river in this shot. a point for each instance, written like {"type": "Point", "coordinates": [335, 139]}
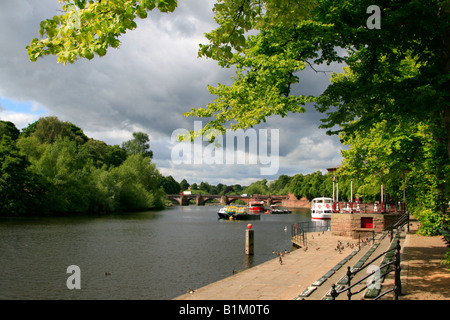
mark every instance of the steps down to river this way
{"type": "Point", "coordinates": [359, 257]}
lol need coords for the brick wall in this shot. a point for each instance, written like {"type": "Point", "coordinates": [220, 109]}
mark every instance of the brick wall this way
{"type": "Point", "coordinates": [349, 225]}
{"type": "Point", "coordinates": [293, 202]}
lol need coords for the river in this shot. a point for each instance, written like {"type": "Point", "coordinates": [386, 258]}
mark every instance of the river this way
{"type": "Point", "coordinates": [154, 255]}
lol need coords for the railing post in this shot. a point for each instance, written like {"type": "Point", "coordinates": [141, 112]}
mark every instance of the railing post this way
{"type": "Point", "coordinates": [349, 292]}
{"type": "Point", "coordinates": [407, 212]}
{"type": "Point", "coordinates": [305, 242]}
{"type": "Point", "coordinates": [397, 280]}
{"type": "Point", "coordinates": [333, 292]}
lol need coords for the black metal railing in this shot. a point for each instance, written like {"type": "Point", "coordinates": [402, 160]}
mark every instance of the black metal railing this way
{"type": "Point", "coordinates": [299, 230]}
{"type": "Point", "coordinates": [403, 220]}
{"type": "Point", "coordinates": [362, 242]}
{"type": "Point", "coordinates": [391, 258]}
{"type": "Point", "coordinates": [390, 263]}
{"type": "Point", "coordinates": [385, 270]}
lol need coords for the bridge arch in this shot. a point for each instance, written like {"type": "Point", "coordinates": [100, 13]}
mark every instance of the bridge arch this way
{"type": "Point", "coordinates": [275, 201]}
{"type": "Point", "coordinates": [184, 199]}
{"type": "Point", "coordinates": [233, 200]}
{"type": "Point", "coordinates": [211, 200]}
{"type": "Point", "coordinates": [175, 201]}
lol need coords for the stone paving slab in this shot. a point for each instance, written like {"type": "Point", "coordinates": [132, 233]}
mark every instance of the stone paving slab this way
{"type": "Point", "coordinates": [425, 278]}
{"type": "Point", "coordinates": [274, 281]}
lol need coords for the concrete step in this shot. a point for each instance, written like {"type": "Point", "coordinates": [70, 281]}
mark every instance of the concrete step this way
{"type": "Point", "coordinates": [319, 288]}
{"type": "Point", "coordinates": [359, 257]}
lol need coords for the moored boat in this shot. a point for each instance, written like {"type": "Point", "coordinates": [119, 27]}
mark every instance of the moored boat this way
{"type": "Point", "coordinates": [275, 209]}
{"type": "Point", "coordinates": [236, 213]}
{"type": "Point", "coordinates": [256, 206]}
{"type": "Point", "coordinates": [321, 208]}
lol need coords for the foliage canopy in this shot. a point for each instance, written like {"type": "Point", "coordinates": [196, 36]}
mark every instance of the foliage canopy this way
{"type": "Point", "coordinates": [395, 87]}
{"type": "Point", "coordinates": [53, 168]}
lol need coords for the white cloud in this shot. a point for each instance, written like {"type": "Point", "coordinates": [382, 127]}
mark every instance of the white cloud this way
{"type": "Point", "coordinates": [316, 152]}
{"type": "Point", "coordinates": [21, 120]}
{"type": "Point", "coordinates": [146, 85]}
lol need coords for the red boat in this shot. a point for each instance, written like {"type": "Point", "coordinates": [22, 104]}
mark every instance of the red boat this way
{"type": "Point", "coordinates": [256, 206]}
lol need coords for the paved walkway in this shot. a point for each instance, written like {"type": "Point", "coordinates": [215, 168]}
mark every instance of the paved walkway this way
{"type": "Point", "coordinates": [274, 281]}
{"type": "Point", "coordinates": [425, 278]}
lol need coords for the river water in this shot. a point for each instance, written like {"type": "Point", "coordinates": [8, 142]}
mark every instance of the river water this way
{"type": "Point", "coordinates": [145, 255]}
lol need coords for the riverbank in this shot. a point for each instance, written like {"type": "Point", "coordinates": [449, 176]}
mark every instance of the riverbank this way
{"type": "Point", "coordinates": [424, 277]}
{"type": "Point", "coordinates": [273, 280]}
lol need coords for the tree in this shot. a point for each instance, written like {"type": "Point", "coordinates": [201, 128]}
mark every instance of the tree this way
{"type": "Point", "coordinates": [170, 185]}
{"type": "Point", "coordinates": [231, 190]}
{"type": "Point", "coordinates": [296, 185]}
{"type": "Point", "coordinates": [19, 187]}
{"type": "Point", "coordinates": [139, 144]}
{"type": "Point", "coordinates": [221, 188]}
{"type": "Point", "coordinates": [258, 187]}
{"type": "Point", "coordinates": [67, 172]}
{"type": "Point", "coordinates": [90, 27]}
{"type": "Point", "coordinates": [205, 187]}
{"type": "Point", "coordinates": [280, 186]}
{"type": "Point", "coordinates": [114, 155]}
{"type": "Point", "coordinates": [139, 184]}
{"type": "Point", "coordinates": [9, 129]}
{"type": "Point", "coordinates": [104, 154]}
{"type": "Point", "coordinates": [311, 185]}
{"type": "Point", "coordinates": [49, 129]}
{"type": "Point", "coordinates": [289, 37]}
{"type": "Point", "coordinates": [184, 185]}
{"type": "Point", "coordinates": [400, 71]}
{"type": "Point", "coordinates": [397, 149]}
{"type": "Point", "coordinates": [53, 168]}
{"type": "Point", "coordinates": [194, 186]}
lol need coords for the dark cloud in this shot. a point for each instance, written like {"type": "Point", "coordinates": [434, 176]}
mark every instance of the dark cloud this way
{"type": "Point", "coordinates": [146, 85]}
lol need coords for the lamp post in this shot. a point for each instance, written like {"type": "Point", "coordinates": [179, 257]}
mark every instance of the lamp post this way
{"type": "Point", "coordinates": [351, 194]}
{"type": "Point", "coordinates": [405, 171]}
{"type": "Point", "coordinates": [381, 198]}
{"type": "Point", "coordinates": [335, 205]}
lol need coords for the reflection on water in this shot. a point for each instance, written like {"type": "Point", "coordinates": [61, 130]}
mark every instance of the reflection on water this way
{"type": "Point", "coordinates": [248, 261]}
{"type": "Point", "coordinates": [146, 255]}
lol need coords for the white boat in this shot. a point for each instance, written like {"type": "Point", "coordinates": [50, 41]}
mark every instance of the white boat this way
{"type": "Point", "coordinates": [256, 206]}
{"type": "Point", "coordinates": [321, 208]}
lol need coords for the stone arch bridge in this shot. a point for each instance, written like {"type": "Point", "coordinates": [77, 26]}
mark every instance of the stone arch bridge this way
{"type": "Point", "coordinates": [201, 199]}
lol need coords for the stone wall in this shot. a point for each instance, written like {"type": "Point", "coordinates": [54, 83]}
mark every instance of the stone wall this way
{"type": "Point", "coordinates": [350, 225]}
{"type": "Point", "coordinates": [293, 202]}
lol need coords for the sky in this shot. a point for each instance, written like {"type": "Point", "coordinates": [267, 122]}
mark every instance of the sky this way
{"type": "Point", "coordinates": [146, 85]}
